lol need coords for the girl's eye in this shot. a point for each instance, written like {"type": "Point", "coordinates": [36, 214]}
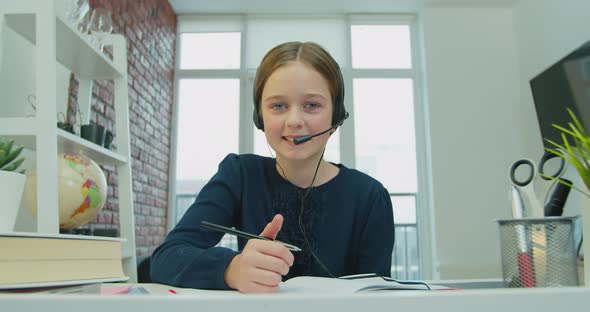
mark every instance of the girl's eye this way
{"type": "Point", "coordinates": [311, 106]}
{"type": "Point", "coordinates": [278, 106]}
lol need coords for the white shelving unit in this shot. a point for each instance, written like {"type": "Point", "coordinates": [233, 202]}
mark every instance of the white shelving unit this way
{"type": "Point", "coordinates": [54, 39]}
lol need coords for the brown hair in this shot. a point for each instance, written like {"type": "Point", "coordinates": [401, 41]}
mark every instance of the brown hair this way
{"type": "Point", "coordinates": [309, 53]}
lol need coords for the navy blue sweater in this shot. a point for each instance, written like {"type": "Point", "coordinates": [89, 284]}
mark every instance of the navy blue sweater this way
{"type": "Point", "coordinates": [348, 223]}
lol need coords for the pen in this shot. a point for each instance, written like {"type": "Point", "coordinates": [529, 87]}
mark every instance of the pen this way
{"type": "Point", "coordinates": [525, 264]}
{"type": "Point", "coordinates": [216, 227]}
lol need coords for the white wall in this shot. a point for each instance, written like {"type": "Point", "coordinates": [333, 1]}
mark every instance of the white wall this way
{"type": "Point", "coordinates": [17, 79]}
{"type": "Point", "coordinates": [479, 62]}
{"type": "Point", "coordinates": [546, 31]}
{"type": "Point", "coordinates": [472, 70]}
{"type": "Point", "coordinates": [17, 76]}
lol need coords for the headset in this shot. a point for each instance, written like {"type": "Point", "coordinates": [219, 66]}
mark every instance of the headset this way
{"type": "Point", "coordinates": [338, 116]}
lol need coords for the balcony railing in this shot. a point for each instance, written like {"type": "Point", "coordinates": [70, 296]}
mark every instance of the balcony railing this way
{"type": "Point", "coordinates": [405, 262]}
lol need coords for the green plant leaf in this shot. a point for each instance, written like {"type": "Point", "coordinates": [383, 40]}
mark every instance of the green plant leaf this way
{"type": "Point", "coordinates": [9, 157]}
{"type": "Point", "coordinates": [12, 166]}
{"type": "Point", "coordinates": [574, 160]}
{"type": "Point", "coordinates": [577, 122]}
{"type": "Point", "coordinates": [562, 129]}
{"type": "Point", "coordinates": [8, 147]}
{"type": "Point", "coordinates": [2, 156]}
{"type": "Point", "coordinates": [562, 181]}
{"type": "Point", "coordinates": [582, 148]}
{"type": "Point", "coordinates": [577, 153]}
{"type": "Point", "coordinates": [12, 156]}
{"type": "Point", "coordinates": [555, 144]}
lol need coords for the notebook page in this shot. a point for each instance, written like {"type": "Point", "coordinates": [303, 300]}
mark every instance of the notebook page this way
{"type": "Point", "coordinates": [324, 285]}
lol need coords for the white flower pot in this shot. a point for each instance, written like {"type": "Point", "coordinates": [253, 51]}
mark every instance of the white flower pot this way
{"type": "Point", "coordinates": [12, 185]}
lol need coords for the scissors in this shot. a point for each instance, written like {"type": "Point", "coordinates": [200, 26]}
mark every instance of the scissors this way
{"type": "Point", "coordinates": [526, 186]}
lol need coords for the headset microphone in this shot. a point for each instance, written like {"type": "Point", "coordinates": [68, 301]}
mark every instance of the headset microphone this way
{"type": "Point", "coordinates": [305, 138]}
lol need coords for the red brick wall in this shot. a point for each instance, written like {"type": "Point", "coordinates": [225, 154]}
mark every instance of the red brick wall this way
{"type": "Point", "coordinates": [150, 29]}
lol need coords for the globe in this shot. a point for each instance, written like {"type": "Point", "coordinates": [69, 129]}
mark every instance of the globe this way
{"type": "Point", "coordinates": [82, 190]}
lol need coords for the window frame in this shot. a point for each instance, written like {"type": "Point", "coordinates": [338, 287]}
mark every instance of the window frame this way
{"type": "Point", "coordinates": [210, 23]}
{"type": "Point", "coordinates": [423, 196]}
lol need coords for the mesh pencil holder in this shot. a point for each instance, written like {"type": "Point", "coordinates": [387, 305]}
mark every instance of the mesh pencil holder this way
{"type": "Point", "coordinates": [538, 252]}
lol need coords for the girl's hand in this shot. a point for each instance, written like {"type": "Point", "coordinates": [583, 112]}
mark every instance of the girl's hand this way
{"type": "Point", "coordinates": [260, 266]}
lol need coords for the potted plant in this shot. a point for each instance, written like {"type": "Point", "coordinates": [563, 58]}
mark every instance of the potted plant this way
{"type": "Point", "coordinates": [577, 153]}
{"type": "Point", "coordinates": [12, 183]}
{"type": "Point", "coordinates": [575, 149]}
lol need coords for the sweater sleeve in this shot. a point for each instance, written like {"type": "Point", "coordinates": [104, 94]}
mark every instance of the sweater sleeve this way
{"type": "Point", "coordinates": [377, 236]}
{"type": "Point", "coordinates": [188, 257]}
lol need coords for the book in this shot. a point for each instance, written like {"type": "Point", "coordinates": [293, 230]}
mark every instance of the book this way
{"type": "Point", "coordinates": [92, 288]}
{"type": "Point", "coordinates": [57, 248]}
{"type": "Point", "coordinates": [38, 260]}
{"type": "Point", "coordinates": [351, 284]}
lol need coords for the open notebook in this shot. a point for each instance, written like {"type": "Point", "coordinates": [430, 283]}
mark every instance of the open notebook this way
{"type": "Point", "coordinates": [306, 285]}
{"type": "Point", "coordinates": [355, 284]}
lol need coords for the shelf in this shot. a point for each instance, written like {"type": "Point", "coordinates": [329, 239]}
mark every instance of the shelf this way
{"type": "Point", "coordinates": [35, 21]}
{"type": "Point", "coordinates": [64, 283]}
{"type": "Point", "coordinates": [73, 51]}
{"type": "Point", "coordinates": [69, 143]}
{"type": "Point", "coordinates": [126, 253]}
{"type": "Point", "coordinates": [17, 126]}
{"type": "Point", "coordinates": [62, 236]}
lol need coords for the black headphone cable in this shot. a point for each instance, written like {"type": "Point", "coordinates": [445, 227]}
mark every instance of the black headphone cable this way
{"type": "Point", "coordinates": [385, 278]}
{"type": "Point", "coordinates": [300, 221]}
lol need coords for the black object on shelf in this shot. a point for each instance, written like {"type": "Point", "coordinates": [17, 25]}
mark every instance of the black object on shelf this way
{"type": "Point", "coordinates": [106, 232]}
{"type": "Point", "coordinates": [87, 232]}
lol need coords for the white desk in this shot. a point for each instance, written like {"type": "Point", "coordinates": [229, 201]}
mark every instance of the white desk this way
{"type": "Point", "coordinates": [480, 300]}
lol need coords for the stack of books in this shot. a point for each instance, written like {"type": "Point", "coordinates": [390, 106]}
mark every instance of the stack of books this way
{"type": "Point", "coordinates": [37, 260]}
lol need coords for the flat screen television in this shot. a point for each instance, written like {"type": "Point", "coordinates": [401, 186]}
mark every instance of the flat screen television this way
{"type": "Point", "coordinates": [564, 84]}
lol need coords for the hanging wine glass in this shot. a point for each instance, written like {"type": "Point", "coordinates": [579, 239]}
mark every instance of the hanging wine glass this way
{"type": "Point", "coordinates": [100, 23]}
{"type": "Point", "coordinates": [83, 23]}
{"type": "Point", "coordinates": [75, 11]}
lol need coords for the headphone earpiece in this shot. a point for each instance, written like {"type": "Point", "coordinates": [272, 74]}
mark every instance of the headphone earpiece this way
{"type": "Point", "coordinates": [257, 119]}
{"type": "Point", "coordinates": [339, 111]}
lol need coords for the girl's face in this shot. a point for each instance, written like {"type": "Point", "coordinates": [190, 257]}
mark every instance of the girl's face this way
{"type": "Point", "coordinates": [296, 101]}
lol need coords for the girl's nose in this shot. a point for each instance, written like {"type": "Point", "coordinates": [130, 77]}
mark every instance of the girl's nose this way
{"type": "Point", "coordinates": [294, 118]}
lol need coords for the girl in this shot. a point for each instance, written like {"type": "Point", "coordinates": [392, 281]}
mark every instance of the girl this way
{"type": "Point", "coordinates": [341, 218]}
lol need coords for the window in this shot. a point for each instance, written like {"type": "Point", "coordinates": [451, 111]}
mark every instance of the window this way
{"type": "Point", "coordinates": [215, 74]}
{"type": "Point", "coordinates": [200, 102]}
{"type": "Point", "coordinates": [381, 46]}
{"type": "Point", "coordinates": [208, 84]}
{"type": "Point", "coordinates": [210, 51]}
{"type": "Point", "coordinates": [384, 131]}
{"type": "Point", "coordinates": [383, 81]}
